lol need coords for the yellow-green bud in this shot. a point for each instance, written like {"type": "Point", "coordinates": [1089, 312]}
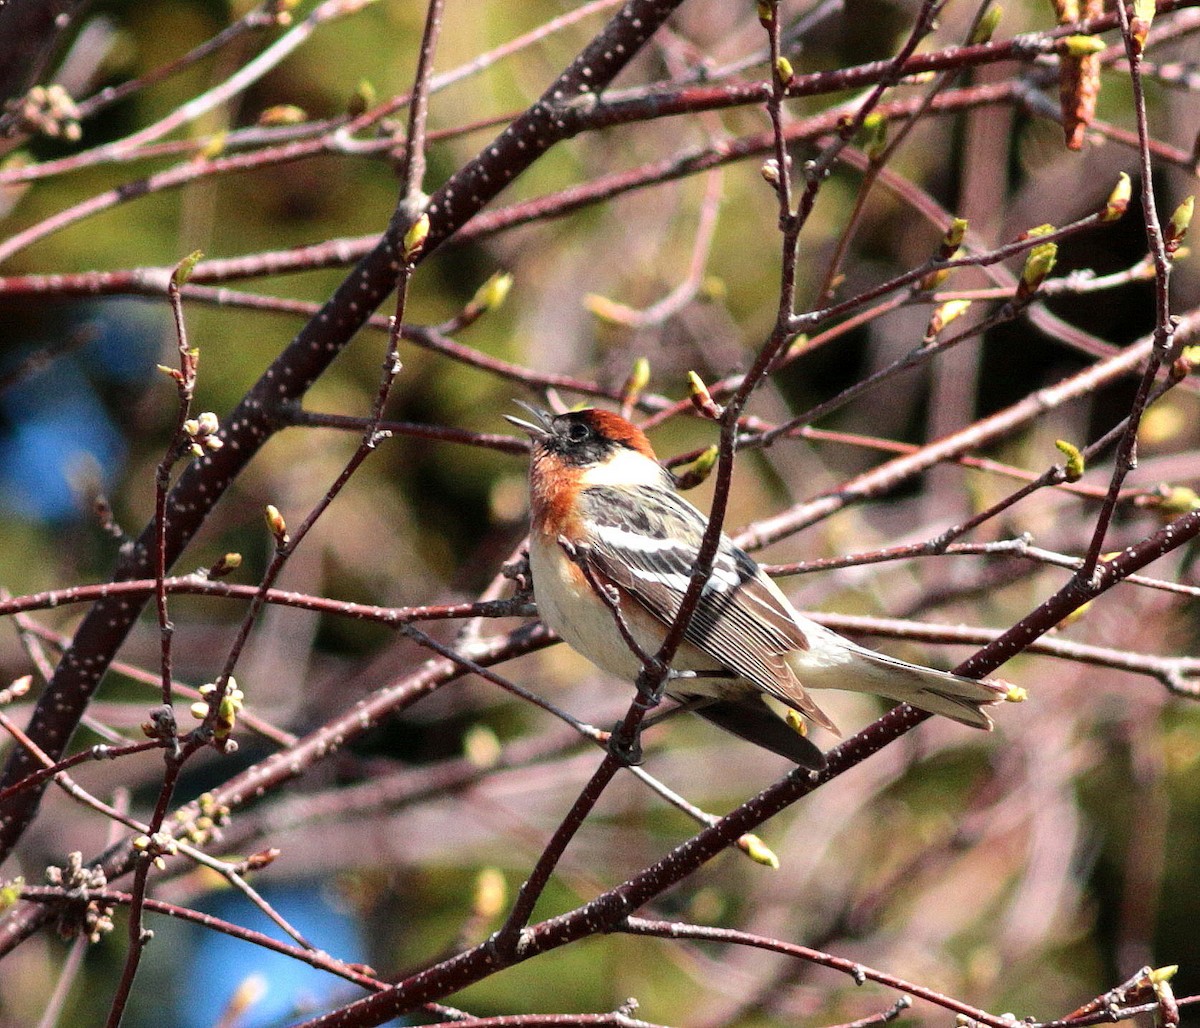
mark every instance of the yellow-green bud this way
{"type": "Point", "coordinates": [1081, 46]}
{"type": "Point", "coordinates": [414, 238]}
{"type": "Point", "coordinates": [214, 147]}
{"type": "Point", "coordinates": [758, 851]}
{"type": "Point", "coordinates": [362, 99]}
{"type": "Point", "coordinates": [987, 25]}
{"type": "Point", "coordinates": [639, 378]}
{"type": "Point", "coordinates": [276, 523]}
{"type": "Point", "coordinates": [796, 722]}
{"type": "Point", "coordinates": [481, 746]}
{"type": "Point", "coordinates": [1118, 200]}
{"type": "Point", "coordinates": [607, 310]}
{"type": "Point", "coordinates": [699, 470]}
{"type": "Point", "coordinates": [1075, 462]}
{"type": "Point", "coordinates": [700, 396]}
{"type": "Point", "coordinates": [875, 131]}
{"type": "Point", "coordinates": [783, 71]}
{"type": "Point", "coordinates": [10, 892]}
{"type": "Point", "coordinates": [946, 313]}
{"type": "Point", "coordinates": [283, 114]}
{"type": "Point", "coordinates": [493, 292]}
{"type": "Point", "coordinates": [1038, 264]}
{"type": "Point", "coordinates": [1177, 499]}
{"type": "Point", "coordinates": [491, 893]}
{"type": "Point", "coordinates": [953, 238]}
{"type": "Point", "coordinates": [1139, 24]}
{"type": "Point", "coordinates": [1177, 227]}
{"type": "Point", "coordinates": [183, 270]}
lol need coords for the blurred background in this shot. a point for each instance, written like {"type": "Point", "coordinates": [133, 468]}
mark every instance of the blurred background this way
{"type": "Point", "coordinates": [1024, 871]}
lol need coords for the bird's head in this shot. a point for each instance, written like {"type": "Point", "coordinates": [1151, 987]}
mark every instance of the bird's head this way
{"type": "Point", "coordinates": [591, 447]}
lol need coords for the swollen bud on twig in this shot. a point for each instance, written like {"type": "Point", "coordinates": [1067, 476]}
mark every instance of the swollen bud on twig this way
{"type": "Point", "coordinates": [639, 378]}
{"type": "Point", "coordinates": [1170, 500]}
{"type": "Point", "coordinates": [414, 238]}
{"type": "Point", "coordinates": [948, 249]}
{"type": "Point", "coordinates": [784, 72]}
{"type": "Point", "coordinates": [183, 270]}
{"type": "Point", "coordinates": [10, 892]}
{"type": "Point", "coordinates": [874, 133]}
{"type": "Point", "coordinates": [953, 238]}
{"type": "Point", "coordinates": [699, 470]}
{"type": "Point", "coordinates": [609, 311]}
{"type": "Point", "coordinates": [250, 991]}
{"type": "Point", "coordinates": [987, 25]}
{"type": "Point", "coordinates": [481, 746]}
{"type": "Point", "coordinates": [943, 314]}
{"type": "Point", "coordinates": [18, 688]}
{"type": "Point", "coordinates": [493, 292]}
{"type": "Point", "coordinates": [362, 99]}
{"type": "Point", "coordinates": [276, 524]}
{"type": "Point", "coordinates": [283, 114]}
{"type": "Point", "coordinates": [1168, 1006]}
{"type": "Point", "coordinates": [214, 147]}
{"type": "Point", "coordinates": [1139, 24]}
{"type": "Point", "coordinates": [229, 562]}
{"type": "Point", "coordinates": [758, 851]}
{"type": "Point", "coordinates": [491, 894]}
{"type": "Point", "coordinates": [702, 399]}
{"type": "Point", "coordinates": [1177, 227]}
{"type": "Point", "coordinates": [263, 858]}
{"type": "Point", "coordinates": [1118, 200]}
{"type": "Point", "coordinates": [1081, 46]}
{"type": "Point", "coordinates": [1038, 264]}
{"type": "Point", "coordinates": [1075, 462]}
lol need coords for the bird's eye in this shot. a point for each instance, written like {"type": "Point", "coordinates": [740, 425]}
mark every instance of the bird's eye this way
{"type": "Point", "coordinates": [578, 432]}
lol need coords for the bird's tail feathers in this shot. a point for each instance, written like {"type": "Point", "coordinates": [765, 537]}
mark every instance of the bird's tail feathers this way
{"type": "Point", "coordinates": [938, 692]}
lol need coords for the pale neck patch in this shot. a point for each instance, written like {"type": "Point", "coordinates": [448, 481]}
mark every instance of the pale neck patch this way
{"type": "Point", "coordinates": [627, 467]}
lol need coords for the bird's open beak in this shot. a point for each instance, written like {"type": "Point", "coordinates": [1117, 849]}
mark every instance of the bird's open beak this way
{"type": "Point", "coordinates": [540, 429]}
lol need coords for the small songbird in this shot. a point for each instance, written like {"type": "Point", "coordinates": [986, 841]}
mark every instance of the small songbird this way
{"type": "Point", "coordinates": [605, 516]}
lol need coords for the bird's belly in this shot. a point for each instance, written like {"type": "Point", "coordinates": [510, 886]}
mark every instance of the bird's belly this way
{"type": "Point", "coordinates": [568, 605]}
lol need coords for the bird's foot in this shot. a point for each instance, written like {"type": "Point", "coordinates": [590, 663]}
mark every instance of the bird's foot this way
{"type": "Point", "coordinates": [626, 751]}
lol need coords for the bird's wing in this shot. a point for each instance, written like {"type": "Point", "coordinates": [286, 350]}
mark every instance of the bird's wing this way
{"type": "Point", "coordinates": [750, 719]}
{"type": "Point", "coordinates": [645, 540]}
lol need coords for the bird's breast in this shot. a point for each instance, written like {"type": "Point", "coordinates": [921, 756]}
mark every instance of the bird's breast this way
{"type": "Point", "coordinates": [568, 604]}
